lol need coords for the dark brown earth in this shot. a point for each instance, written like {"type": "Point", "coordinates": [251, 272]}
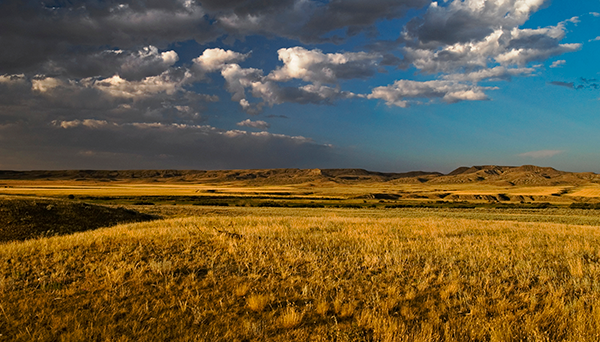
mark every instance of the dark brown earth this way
{"type": "Point", "coordinates": [22, 219]}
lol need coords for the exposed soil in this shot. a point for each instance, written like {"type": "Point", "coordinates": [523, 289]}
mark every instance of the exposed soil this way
{"type": "Point", "coordinates": [26, 218]}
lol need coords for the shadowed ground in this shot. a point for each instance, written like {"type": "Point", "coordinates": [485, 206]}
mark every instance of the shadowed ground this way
{"type": "Point", "coordinates": [22, 219]}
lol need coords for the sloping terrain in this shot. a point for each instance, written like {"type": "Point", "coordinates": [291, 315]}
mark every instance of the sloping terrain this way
{"type": "Point", "coordinates": [283, 274]}
{"type": "Point", "coordinates": [251, 177]}
{"type": "Point", "coordinates": [527, 175]}
{"type": "Point", "coordinates": [510, 175]}
{"type": "Point", "coordinates": [22, 219]}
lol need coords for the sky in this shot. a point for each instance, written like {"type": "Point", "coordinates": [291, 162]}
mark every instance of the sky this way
{"type": "Point", "coordinates": [383, 85]}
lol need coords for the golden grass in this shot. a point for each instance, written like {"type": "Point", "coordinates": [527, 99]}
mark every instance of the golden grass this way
{"type": "Point", "coordinates": [306, 275]}
{"type": "Point", "coordinates": [257, 302]}
{"type": "Point", "coordinates": [587, 191]}
{"type": "Point", "coordinates": [291, 318]}
{"type": "Point", "coordinates": [65, 188]}
{"type": "Point", "coordinates": [328, 189]}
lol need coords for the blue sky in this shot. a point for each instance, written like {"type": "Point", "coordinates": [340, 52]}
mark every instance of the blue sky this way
{"type": "Point", "coordinates": [385, 85]}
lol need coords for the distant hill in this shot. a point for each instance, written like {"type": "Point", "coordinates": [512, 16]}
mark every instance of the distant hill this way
{"type": "Point", "coordinates": [265, 176]}
{"type": "Point", "coordinates": [516, 175]}
{"type": "Point", "coordinates": [487, 174]}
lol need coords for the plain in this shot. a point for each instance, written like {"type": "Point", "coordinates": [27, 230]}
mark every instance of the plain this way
{"type": "Point", "coordinates": [281, 274]}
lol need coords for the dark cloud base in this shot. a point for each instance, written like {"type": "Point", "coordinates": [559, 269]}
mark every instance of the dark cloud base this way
{"type": "Point", "coordinates": [131, 147]}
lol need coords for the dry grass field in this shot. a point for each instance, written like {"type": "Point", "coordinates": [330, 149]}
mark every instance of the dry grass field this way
{"type": "Point", "coordinates": [282, 274]}
{"type": "Point", "coordinates": [481, 254]}
{"type": "Point", "coordinates": [373, 193]}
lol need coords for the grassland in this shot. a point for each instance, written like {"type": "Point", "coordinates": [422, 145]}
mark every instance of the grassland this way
{"type": "Point", "coordinates": [299, 274]}
{"type": "Point", "coordinates": [308, 194]}
{"type": "Point", "coordinates": [481, 254]}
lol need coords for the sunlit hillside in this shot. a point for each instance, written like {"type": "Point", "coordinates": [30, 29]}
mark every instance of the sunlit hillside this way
{"type": "Point", "coordinates": [275, 274]}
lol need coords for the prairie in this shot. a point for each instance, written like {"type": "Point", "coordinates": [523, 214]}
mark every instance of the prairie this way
{"type": "Point", "coordinates": [300, 274]}
{"type": "Point", "coordinates": [341, 193]}
{"type": "Point", "coordinates": [481, 254]}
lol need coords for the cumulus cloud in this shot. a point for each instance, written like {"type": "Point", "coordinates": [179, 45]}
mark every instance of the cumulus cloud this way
{"type": "Point", "coordinates": [37, 34]}
{"type": "Point", "coordinates": [130, 65]}
{"type": "Point", "coordinates": [216, 59]}
{"type": "Point", "coordinates": [402, 92]}
{"type": "Point", "coordinates": [163, 98]}
{"type": "Point", "coordinates": [470, 41]}
{"type": "Point", "coordinates": [115, 67]}
{"type": "Point", "coordinates": [310, 66]}
{"type": "Point", "coordinates": [490, 74]}
{"type": "Point", "coordinates": [505, 47]}
{"type": "Point", "coordinates": [480, 38]}
{"type": "Point", "coordinates": [528, 45]}
{"type": "Point", "coordinates": [90, 123]}
{"type": "Point", "coordinates": [540, 154]}
{"type": "Point", "coordinates": [111, 91]}
{"type": "Point", "coordinates": [463, 40]}
{"type": "Point", "coordinates": [167, 83]}
{"type": "Point", "coordinates": [259, 124]}
{"type": "Point", "coordinates": [271, 93]}
{"type": "Point", "coordinates": [558, 63]}
{"type": "Point", "coordinates": [468, 20]}
{"type": "Point", "coordinates": [11, 79]}
{"type": "Point", "coordinates": [595, 39]}
{"type": "Point", "coordinates": [317, 67]}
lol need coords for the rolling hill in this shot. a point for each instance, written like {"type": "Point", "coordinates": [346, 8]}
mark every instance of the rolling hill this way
{"type": "Point", "coordinates": [527, 175]}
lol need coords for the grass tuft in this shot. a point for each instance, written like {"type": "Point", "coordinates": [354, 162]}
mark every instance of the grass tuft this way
{"type": "Point", "coordinates": [291, 318]}
{"type": "Point", "coordinates": [257, 302]}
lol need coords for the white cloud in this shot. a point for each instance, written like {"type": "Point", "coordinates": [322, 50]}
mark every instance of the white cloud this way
{"type": "Point", "coordinates": [527, 45]}
{"type": "Point", "coordinates": [259, 124]}
{"type": "Point", "coordinates": [474, 40]}
{"type": "Point", "coordinates": [558, 63]}
{"type": "Point", "coordinates": [11, 79]}
{"type": "Point", "coordinates": [541, 154]}
{"type": "Point", "coordinates": [595, 39]}
{"type": "Point", "coordinates": [470, 20]}
{"type": "Point", "coordinates": [165, 127]}
{"type": "Point", "coordinates": [103, 124]}
{"type": "Point", "coordinates": [147, 62]}
{"type": "Point", "coordinates": [460, 42]}
{"type": "Point", "coordinates": [168, 82]}
{"type": "Point", "coordinates": [216, 59]}
{"type": "Point", "coordinates": [595, 14]}
{"type": "Point", "coordinates": [403, 91]}
{"type": "Point", "coordinates": [118, 87]}
{"type": "Point", "coordinates": [318, 67]}
{"type": "Point", "coordinates": [239, 79]}
{"type": "Point", "coordinates": [495, 73]}
{"type": "Point", "coordinates": [89, 123]}
{"type": "Point", "coordinates": [46, 84]}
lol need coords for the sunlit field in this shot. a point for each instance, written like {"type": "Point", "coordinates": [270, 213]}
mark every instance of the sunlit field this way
{"type": "Point", "coordinates": [471, 192]}
{"type": "Point", "coordinates": [281, 274]}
